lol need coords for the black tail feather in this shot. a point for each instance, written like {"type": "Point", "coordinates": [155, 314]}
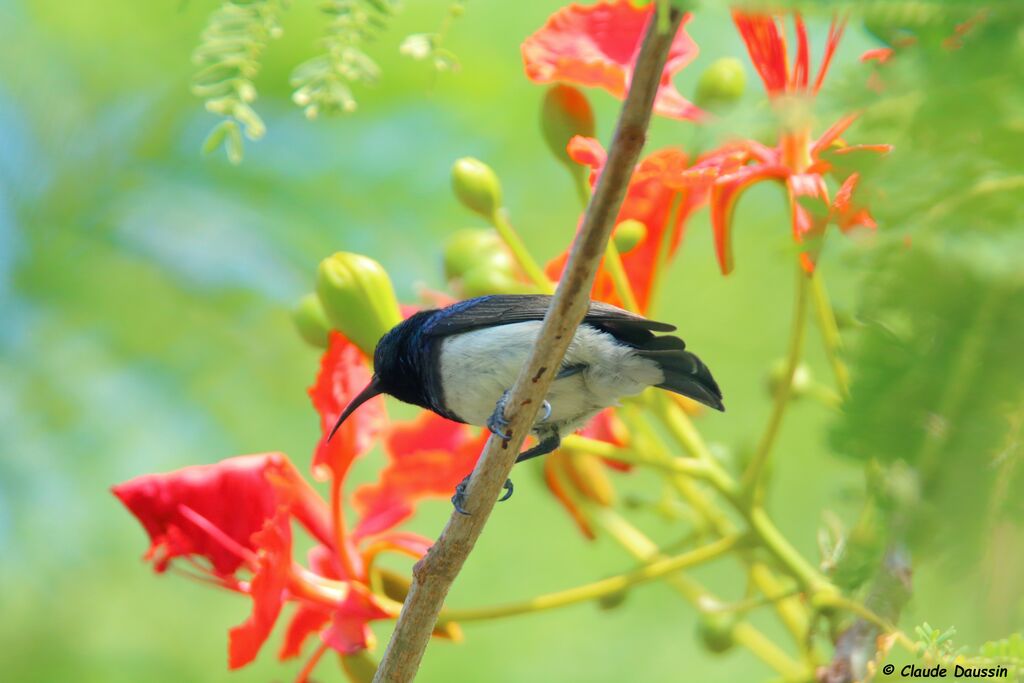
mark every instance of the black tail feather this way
{"type": "Point", "coordinates": [684, 372]}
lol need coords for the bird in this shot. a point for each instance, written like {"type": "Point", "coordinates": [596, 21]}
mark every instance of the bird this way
{"type": "Point", "coordinates": [461, 361]}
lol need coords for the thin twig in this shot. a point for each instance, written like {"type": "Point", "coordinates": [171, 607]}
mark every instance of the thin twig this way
{"type": "Point", "coordinates": [604, 588]}
{"type": "Point", "coordinates": [434, 574]}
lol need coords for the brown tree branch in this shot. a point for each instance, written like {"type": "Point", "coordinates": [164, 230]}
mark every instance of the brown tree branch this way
{"type": "Point", "coordinates": [858, 644]}
{"type": "Point", "coordinates": [434, 574]}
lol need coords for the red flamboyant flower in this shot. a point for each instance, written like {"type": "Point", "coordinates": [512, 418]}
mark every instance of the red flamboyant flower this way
{"type": "Point", "coordinates": [798, 162]}
{"type": "Point", "coordinates": [664, 190]}
{"type": "Point", "coordinates": [231, 523]}
{"type": "Point", "coordinates": [597, 46]}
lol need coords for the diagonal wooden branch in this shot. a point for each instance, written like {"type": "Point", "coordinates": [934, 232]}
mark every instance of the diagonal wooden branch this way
{"type": "Point", "coordinates": [434, 574]}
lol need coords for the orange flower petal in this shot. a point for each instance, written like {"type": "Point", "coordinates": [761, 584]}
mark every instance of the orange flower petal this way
{"type": "Point", "coordinates": [724, 194]}
{"type": "Point", "coordinates": [428, 457]}
{"type": "Point", "coordinates": [808, 222]}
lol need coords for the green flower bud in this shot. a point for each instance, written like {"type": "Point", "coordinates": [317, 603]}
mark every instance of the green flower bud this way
{"type": "Point", "coordinates": [356, 294]}
{"type": "Point", "coordinates": [471, 248]}
{"type": "Point", "coordinates": [721, 84]}
{"type": "Point", "coordinates": [714, 630]}
{"type": "Point", "coordinates": [311, 321]}
{"type": "Point", "coordinates": [359, 667]}
{"type": "Point", "coordinates": [565, 113]}
{"type": "Point", "coordinates": [612, 600]}
{"type": "Point", "coordinates": [476, 186]}
{"type": "Point", "coordinates": [628, 234]}
{"type": "Point", "coordinates": [484, 280]}
{"type": "Point", "coordinates": [803, 382]}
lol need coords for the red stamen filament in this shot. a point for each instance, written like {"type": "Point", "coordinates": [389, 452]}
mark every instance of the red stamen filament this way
{"type": "Point", "coordinates": [247, 556]}
{"type": "Point", "coordinates": [311, 663]}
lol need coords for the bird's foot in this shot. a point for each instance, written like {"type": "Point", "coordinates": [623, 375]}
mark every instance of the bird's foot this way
{"type": "Point", "coordinates": [459, 499]}
{"type": "Point", "coordinates": [499, 425]}
{"type": "Point", "coordinates": [497, 422]}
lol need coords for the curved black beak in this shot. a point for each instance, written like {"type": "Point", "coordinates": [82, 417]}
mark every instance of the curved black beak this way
{"type": "Point", "coordinates": [372, 389]}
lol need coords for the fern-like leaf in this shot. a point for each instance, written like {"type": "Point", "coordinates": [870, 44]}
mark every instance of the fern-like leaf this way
{"type": "Point", "coordinates": [229, 59]}
{"type": "Point", "coordinates": [323, 83]}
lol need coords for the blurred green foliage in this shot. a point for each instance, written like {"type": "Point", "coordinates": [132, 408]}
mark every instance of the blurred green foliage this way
{"type": "Point", "coordinates": [144, 294]}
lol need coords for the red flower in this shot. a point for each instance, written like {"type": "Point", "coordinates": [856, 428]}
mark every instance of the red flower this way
{"type": "Point", "coordinates": [664, 190]}
{"type": "Point", "coordinates": [236, 515]}
{"type": "Point", "coordinates": [232, 521]}
{"type": "Point", "coordinates": [213, 511]}
{"type": "Point", "coordinates": [799, 162]}
{"type": "Point", "coordinates": [597, 46]}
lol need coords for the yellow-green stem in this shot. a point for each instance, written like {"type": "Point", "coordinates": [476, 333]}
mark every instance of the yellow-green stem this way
{"type": "Point", "coordinates": [603, 449]}
{"type": "Point", "coordinates": [772, 539]}
{"type": "Point", "coordinates": [598, 589]}
{"type": "Point", "coordinates": [680, 425]}
{"type": "Point", "coordinates": [752, 475]}
{"type": "Point", "coordinates": [791, 612]}
{"type": "Point", "coordinates": [520, 252]}
{"type": "Point", "coordinates": [579, 179]}
{"type": "Point", "coordinates": [661, 258]}
{"type": "Point", "coordinates": [613, 265]}
{"type": "Point", "coordinates": [831, 339]}
{"type": "Point", "coordinates": [612, 257]}
{"type": "Point", "coordinates": [746, 635]}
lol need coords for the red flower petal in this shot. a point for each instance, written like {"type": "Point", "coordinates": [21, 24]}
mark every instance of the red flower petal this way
{"type": "Point", "coordinates": [306, 620]}
{"type": "Point", "coordinates": [597, 45]}
{"type": "Point", "coordinates": [606, 426]}
{"type": "Point", "coordinates": [214, 510]}
{"type": "Point", "coordinates": [553, 478]}
{"type": "Point", "coordinates": [344, 372]}
{"type": "Point", "coordinates": [766, 45]}
{"type": "Point", "coordinates": [349, 631]}
{"type": "Point", "coordinates": [429, 456]}
{"type": "Point", "coordinates": [310, 617]}
{"type": "Point", "coordinates": [831, 135]}
{"type": "Point", "coordinates": [767, 48]}
{"type": "Point", "coordinates": [879, 54]}
{"type": "Point", "coordinates": [724, 195]}
{"type": "Point", "coordinates": [267, 590]}
{"type": "Point", "coordinates": [848, 215]}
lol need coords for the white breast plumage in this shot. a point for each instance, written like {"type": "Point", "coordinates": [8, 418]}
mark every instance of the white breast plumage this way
{"type": "Point", "coordinates": [477, 367]}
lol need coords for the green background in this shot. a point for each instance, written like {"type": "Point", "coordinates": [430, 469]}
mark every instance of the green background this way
{"type": "Point", "coordinates": [144, 292]}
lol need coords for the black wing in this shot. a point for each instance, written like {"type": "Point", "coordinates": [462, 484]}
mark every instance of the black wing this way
{"type": "Point", "coordinates": [505, 309]}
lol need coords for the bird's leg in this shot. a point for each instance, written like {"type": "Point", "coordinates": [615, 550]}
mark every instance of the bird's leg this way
{"type": "Point", "coordinates": [549, 442]}
{"type": "Point", "coordinates": [460, 494]}
{"type": "Point", "coordinates": [497, 422]}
